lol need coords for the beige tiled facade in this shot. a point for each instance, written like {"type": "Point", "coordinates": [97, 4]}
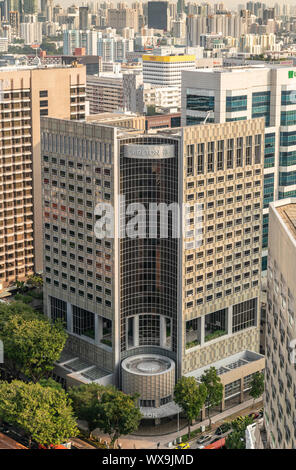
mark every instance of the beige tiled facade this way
{"type": "Point", "coordinates": [225, 270]}
{"type": "Point", "coordinates": [28, 93]}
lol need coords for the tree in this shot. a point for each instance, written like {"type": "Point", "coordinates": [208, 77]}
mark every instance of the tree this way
{"type": "Point", "coordinates": [32, 344]}
{"type": "Point", "coordinates": [117, 414]}
{"type": "Point", "coordinates": [257, 386]}
{"type": "Point", "coordinates": [85, 403]}
{"type": "Point", "coordinates": [235, 440]}
{"type": "Point", "coordinates": [35, 280]}
{"type": "Point", "coordinates": [214, 390]}
{"type": "Point", "coordinates": [241, 424]}
{"type": "Point", "coordinates": [44, 414]}
{"type": "Point", "coordinates": [21, 286]}
{"type": "Point", "coordinates": [190, 397]}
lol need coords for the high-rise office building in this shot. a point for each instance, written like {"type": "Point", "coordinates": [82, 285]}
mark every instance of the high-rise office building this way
{"type": "Point", "coordinates": [238, 93]}
{"type": "Point", "coordinates": [27, 94]}
{"type": "Point", "coordinates": [280, 372]}
{"type": "Point", "coordinates": [29, 6]}
{"type": "Point", "coordinates": [143, 311]}
{"type": "Point", "coordinates": [180, 6]}
{"type": "Point", "coordinates": [83, 18]}
{"type": "Point", "coordinates": [158, 16]}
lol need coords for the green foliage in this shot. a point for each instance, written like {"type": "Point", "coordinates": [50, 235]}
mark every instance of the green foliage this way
{"type": "Point", "coordinates": [257, 385]}
{"type": "Point", "coordinates": [32, 344]}
{"type": "Point", "coordinates": [35, 280]}
{"type": "Point", "coordinates": [214, 389]}
{"type": "Point", "coordinates": [191, 344]}
{"type": "Point", "coordinates": [45, 414]}
{"type": "Point", "coordinates": [235, 440]}
{"type": "Point", "coordinates": [26, 299]}
{"type": "Point", "coordinates": [190, 397]}
{"type": "Point", "coordinates": [50, 382]}
{"type": "Point", "coordinates": [193, 434]}
{"type": "Point", "coordinates": [21, 286]}
{"type": "Point", "coordinates": [214, 335]}
{"type": "Point", "coordinates": [241, 424]}
{"type": "Point", "coordinates": [85, 402]}
{"type": "Point", "coordinates": [117, 414]}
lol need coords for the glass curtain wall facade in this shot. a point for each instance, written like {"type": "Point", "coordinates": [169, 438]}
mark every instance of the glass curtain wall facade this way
{"type": "Point", "coordinates": [148, 273]}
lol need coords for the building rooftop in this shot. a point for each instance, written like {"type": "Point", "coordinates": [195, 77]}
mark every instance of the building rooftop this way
{"type": "Point", "coordinates": [14, 68]}
{"type": "Point", "coordinates": [242, 68]}
{"type": "Point", "coordinates": [288, 215]}
{"type": "Point", "coordinates": [229, 363]}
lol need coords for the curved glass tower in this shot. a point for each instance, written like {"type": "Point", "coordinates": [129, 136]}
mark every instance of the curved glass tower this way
{"type": "Point", "coordinates": [148, 264]}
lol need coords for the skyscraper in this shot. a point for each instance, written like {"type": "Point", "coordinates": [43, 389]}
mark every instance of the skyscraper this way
{"type": "Point", "coordinates": [280, 372]}
{"type": "Point", "coordinates": [26, 95]}
{"type": "Point", "coordinates": [158, 15]}
{"type": "Point", "coordinates": [141, 311]}
{"type": "Point", "coordinates": [238, 93]}
{"type": "Point", "coordinates": [83, 18]}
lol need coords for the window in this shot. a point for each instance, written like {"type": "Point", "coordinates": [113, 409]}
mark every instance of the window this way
{"type": "Point", "coordinates": [200, 159]}
{"type": "Point", "coordinates": [249, 150]}
{"type": "Point", "coordinates": [229, 153]}
{"type": "Point", "coordinates": [190, 159]}
{"type": "Point", "coordinates": [58, 310]}
{"type": "Point", "coordinates": [149, 330]}
{"type": "Point", "coordinates": [220, 155]}
{"type": "Point", "coordinates": [236, 103]}
{"type": "Point", "coordinates": [43, 93]}
{"type": "Point", "coordinates": [211, 150]}
{"type": "Point", "coordinates": [193, 333]}
{"type": "Point", "coordinates": [244, 315]}
{"type": "Point", "coordinates": [83, 322]}
{"type": "Point", "coordinates": [43, 103]}
{"type": "Point", "coordinates": [215, 324]}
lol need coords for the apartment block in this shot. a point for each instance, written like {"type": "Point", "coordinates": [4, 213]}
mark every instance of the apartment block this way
{"type": "Point", "coordinates": [28, 93]}
{"type": "Point", "coordinates": [143, 311]}
{"type": "Point", "coordinates": [105, 92]}
{"type": "Point", "coordinates": [280, 372]}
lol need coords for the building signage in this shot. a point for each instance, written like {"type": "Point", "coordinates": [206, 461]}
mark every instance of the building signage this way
{"type": "Point", "coordinates": [291, 74]}
{"type": "Point", "coordinates": [149, 151]}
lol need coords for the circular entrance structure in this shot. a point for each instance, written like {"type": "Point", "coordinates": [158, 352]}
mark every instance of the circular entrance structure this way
{"type": "Point", "coordinates": [151, 376]}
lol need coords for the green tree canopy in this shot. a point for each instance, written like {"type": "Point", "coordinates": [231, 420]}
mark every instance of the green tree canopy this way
{"type": "Point", "coordinates": [45, 414]}
{"type": "Point", "coordinates": [214, 389]}
{"type": "Point", "coordinates": [31, 343]}
{"type": "Point", "coordinates": [117, 414]}
{"type": "Point", "coordinates": [35, 280]}
{"type": "Point", "coordinates": [235, 440]}
{"type": "Point", "coordinates": [257, 385]}
{"type": "Point", "coordinates": [190, 397]}
{"type": "Point", "coordinates": [85, 403]}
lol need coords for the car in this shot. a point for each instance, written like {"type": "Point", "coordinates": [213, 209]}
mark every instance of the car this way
{"type": "Point", "coordinates": [222, 429]}
{"type": "Point", "coordinates": [183, 445]}
{"type": "Point", "coordinates": [217, 443]}
{"type": "Point", "coordinates": [203, 439]}
{"type": "Point", "coordinates": [254, 415]}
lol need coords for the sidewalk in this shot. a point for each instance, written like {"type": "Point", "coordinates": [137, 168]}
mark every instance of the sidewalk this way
{"type": "Point", "coordinates": [164, 440]}
{"type": "Point", "coordinates": [151, 442]}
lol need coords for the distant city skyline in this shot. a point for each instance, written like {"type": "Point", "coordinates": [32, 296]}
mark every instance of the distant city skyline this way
{"type": "Point", "coordinates": [228, 3]}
